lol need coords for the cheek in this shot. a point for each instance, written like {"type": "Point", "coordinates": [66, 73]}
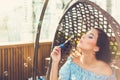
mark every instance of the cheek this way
{"type": "Point", "coordinates": [88, 45]}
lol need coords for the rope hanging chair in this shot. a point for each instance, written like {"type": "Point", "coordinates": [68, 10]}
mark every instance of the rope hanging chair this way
{"type": "Point", "coordinates": [78, 18]}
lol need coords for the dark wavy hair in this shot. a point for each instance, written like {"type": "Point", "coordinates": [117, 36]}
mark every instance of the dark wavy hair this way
{"type": "Point", "coordinates": [104, 52]}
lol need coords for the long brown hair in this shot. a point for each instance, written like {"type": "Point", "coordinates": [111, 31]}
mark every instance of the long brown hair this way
{"type": "Point", "coordinates": [104, 52]}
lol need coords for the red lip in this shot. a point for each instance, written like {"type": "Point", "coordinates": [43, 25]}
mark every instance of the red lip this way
{"type": "Point", "coordinates": [81, 41]}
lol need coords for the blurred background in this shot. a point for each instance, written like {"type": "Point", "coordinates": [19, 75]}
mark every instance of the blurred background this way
{"type": "Point", "coordinates": [19, 18]}
{"type": "Point", "coordinates": [18, 28]}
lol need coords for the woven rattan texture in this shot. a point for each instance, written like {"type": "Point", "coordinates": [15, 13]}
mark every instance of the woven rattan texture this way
{"type": "Point", "coordinates": [81, 17]}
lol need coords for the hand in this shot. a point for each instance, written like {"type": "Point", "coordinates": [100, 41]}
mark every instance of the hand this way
{"type": "Point", "coordinates": [56, 54]}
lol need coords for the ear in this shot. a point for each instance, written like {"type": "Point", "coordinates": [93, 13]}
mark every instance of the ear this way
{"type": "Point", "coordinates": [96, 49]}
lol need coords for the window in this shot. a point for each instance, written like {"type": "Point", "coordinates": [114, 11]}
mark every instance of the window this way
{"type": "Point", "coordinates": [16, 21]}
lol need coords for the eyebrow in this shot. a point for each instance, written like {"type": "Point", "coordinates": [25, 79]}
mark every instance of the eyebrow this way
{"type": "Point", "coordinates": [92, 34]}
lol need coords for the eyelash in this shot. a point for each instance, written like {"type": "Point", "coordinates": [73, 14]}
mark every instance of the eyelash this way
{"type": "Point", "coordinates": [90, 36]}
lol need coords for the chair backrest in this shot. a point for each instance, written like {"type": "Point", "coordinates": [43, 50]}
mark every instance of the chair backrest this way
{"type": "Point", "coordinates": [81, 16]}
{"type": "Point", "coordinates": [77, 19]}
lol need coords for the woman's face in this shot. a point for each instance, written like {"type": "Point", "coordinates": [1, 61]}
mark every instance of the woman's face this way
{"type": "Point", "coordinates": [88, 41]}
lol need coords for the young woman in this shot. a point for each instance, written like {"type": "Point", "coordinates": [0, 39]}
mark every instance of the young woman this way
{"type": "Point", "coordinates": [89, 62]}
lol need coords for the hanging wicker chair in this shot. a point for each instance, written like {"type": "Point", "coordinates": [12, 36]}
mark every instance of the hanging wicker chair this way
{"type": "Point", "coordinates": [81, 16]}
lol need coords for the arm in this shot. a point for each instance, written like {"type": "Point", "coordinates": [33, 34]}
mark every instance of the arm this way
{"type": "Point", "coordinates": [54, 71]}
{"type": "Point", "coordinates": [56, 56]}
{"type": "Point", "coordinates": [113, 76]}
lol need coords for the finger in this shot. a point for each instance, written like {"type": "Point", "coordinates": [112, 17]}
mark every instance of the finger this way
{"type": "Point", "coordinates": [57, 48]}
{"type": "Point", "coordinates": [55, 52]}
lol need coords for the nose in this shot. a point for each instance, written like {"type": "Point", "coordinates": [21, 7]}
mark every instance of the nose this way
{"type": "Point", "coordinates": [83, 36]}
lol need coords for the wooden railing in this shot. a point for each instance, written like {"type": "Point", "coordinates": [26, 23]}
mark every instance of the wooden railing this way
{"type": "Point", "coordinates": [16, 61]}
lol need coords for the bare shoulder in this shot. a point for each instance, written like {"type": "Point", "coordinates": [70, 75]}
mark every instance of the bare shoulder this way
{"type": "Point", "coordinates": [104, 68]}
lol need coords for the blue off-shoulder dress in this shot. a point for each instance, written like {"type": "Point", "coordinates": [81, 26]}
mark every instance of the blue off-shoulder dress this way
{"type": "Point", "coordinates": [71, 71]}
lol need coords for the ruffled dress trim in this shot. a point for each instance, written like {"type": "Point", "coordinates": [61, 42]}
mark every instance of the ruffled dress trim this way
{"type": "Point", "coordinates": [71, 71]}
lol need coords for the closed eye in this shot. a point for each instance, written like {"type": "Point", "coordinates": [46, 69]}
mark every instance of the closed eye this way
{"type": "Point", "coordinates": [91, 36]}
